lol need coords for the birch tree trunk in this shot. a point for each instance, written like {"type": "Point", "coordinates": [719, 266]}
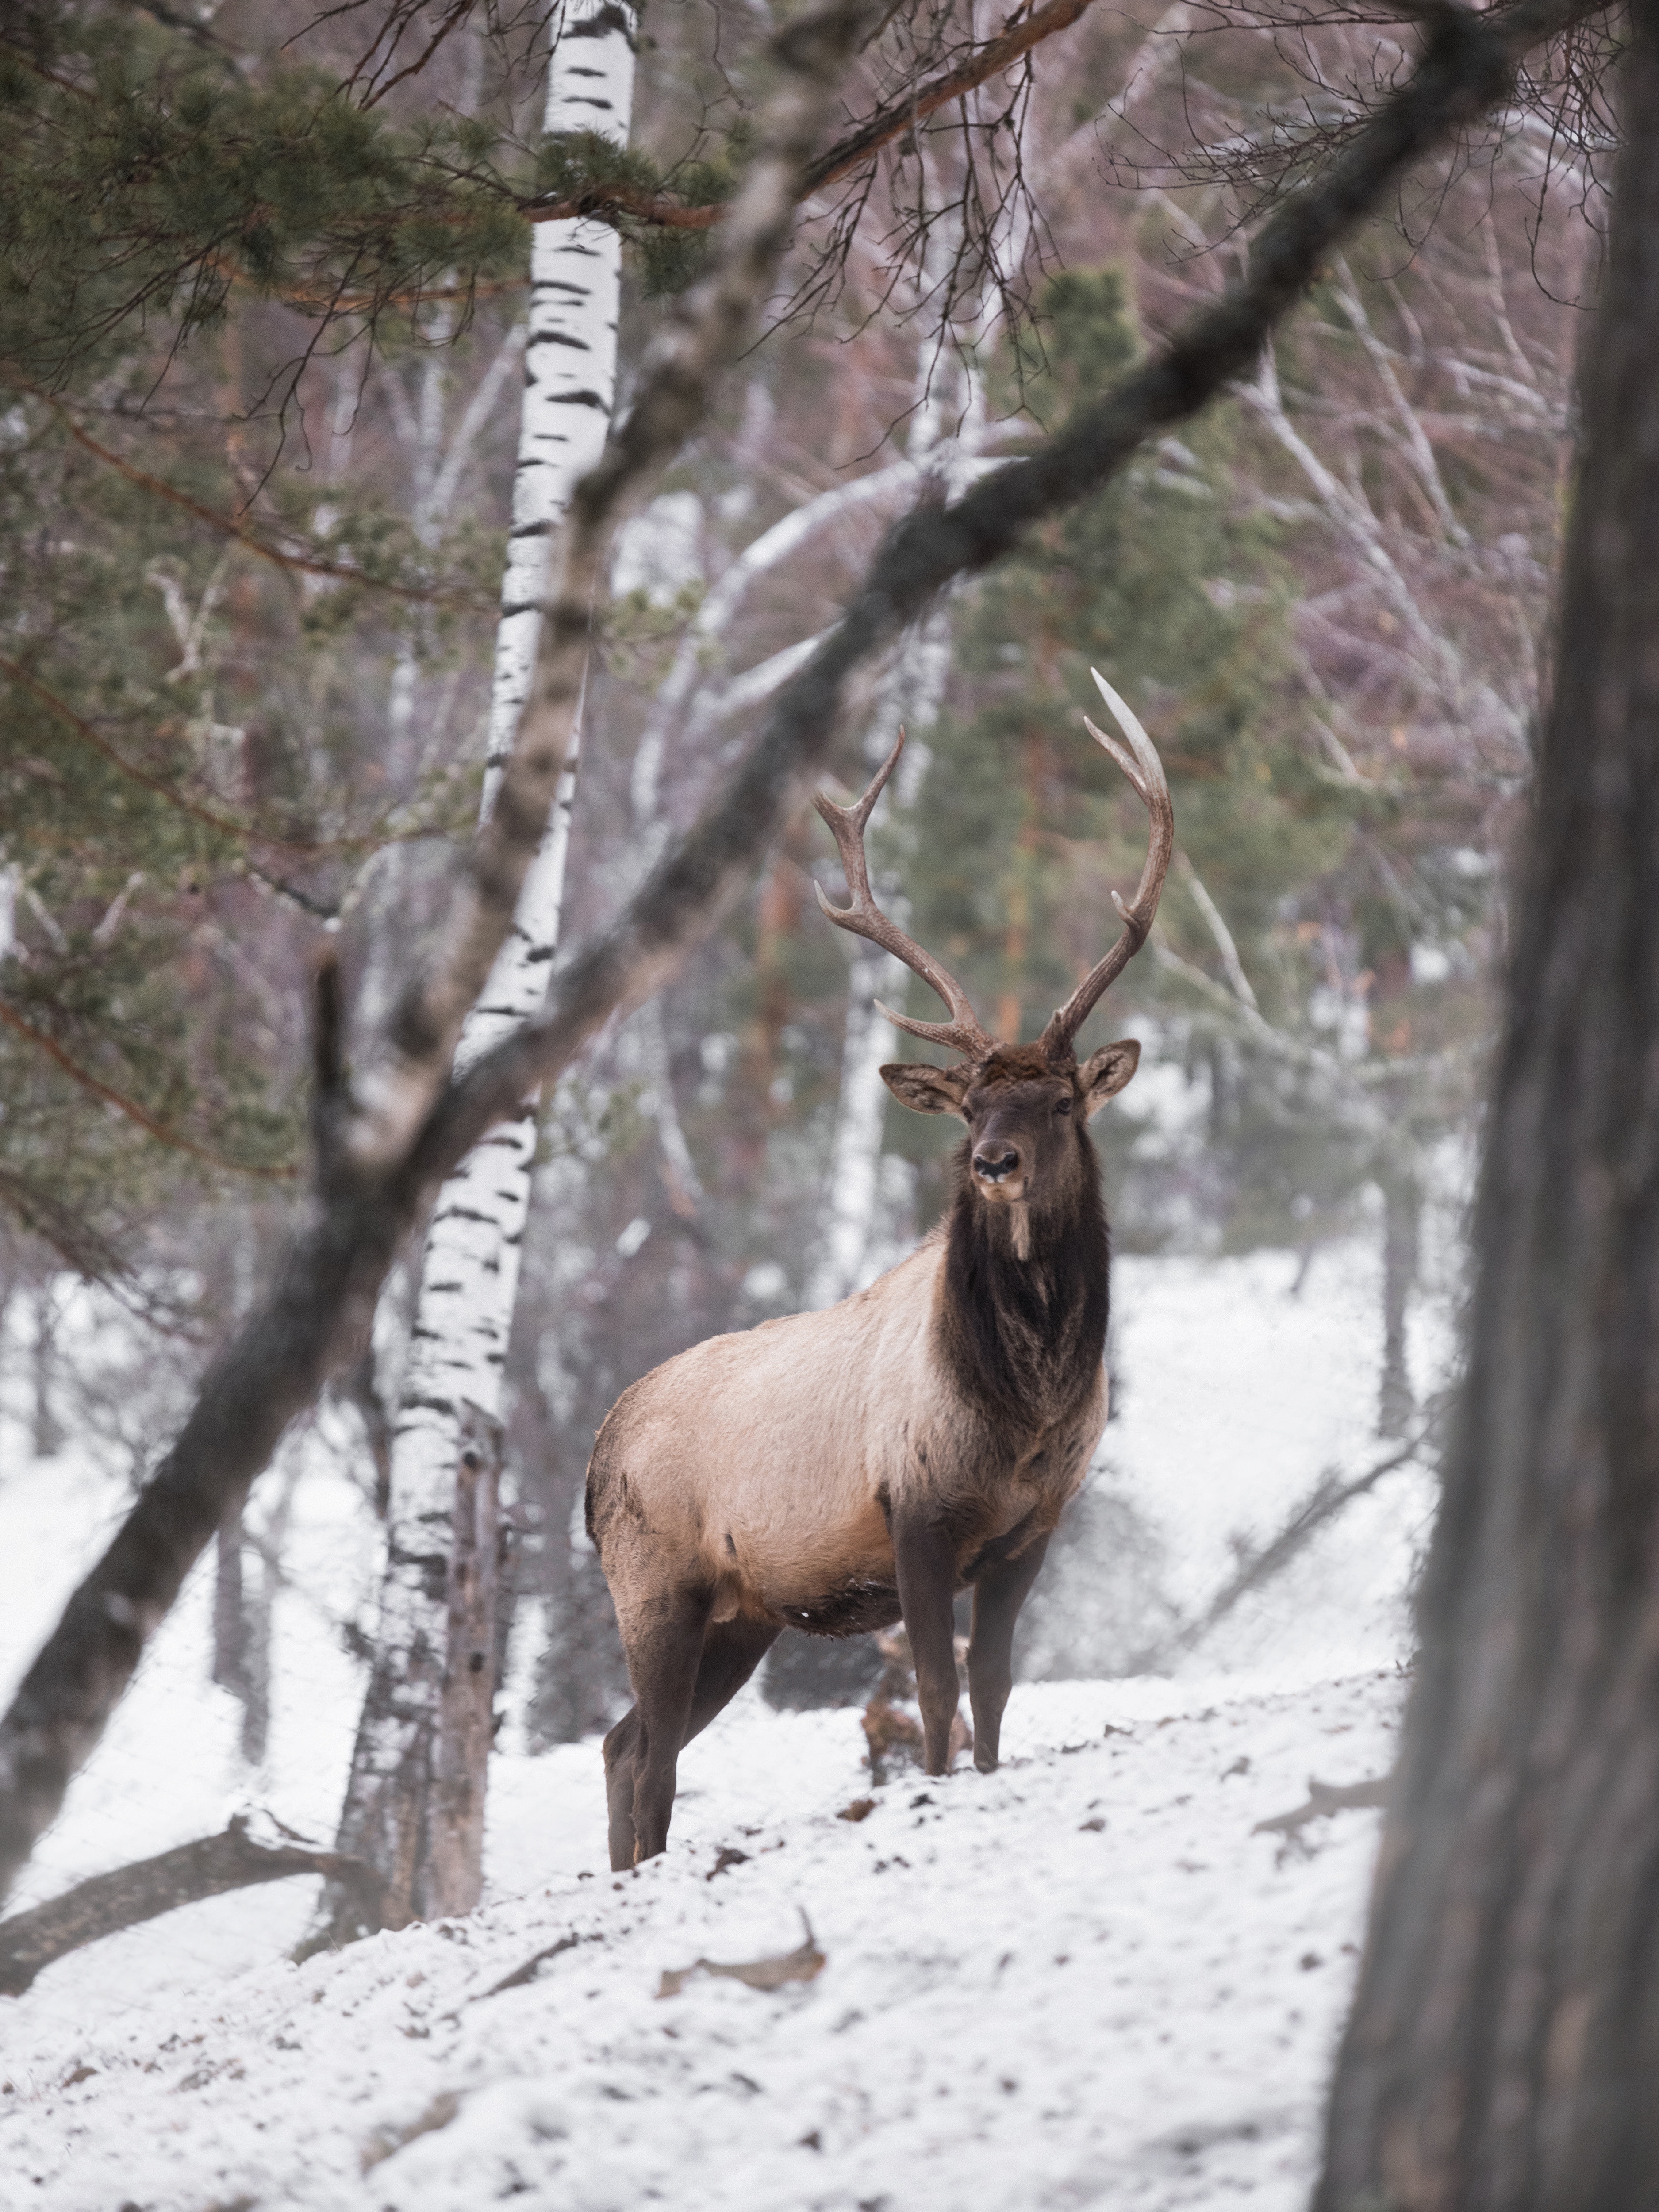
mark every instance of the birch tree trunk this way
{"type": "Point", "coordinates": [471, 1269]}
{"type": "Point", "coordinates": [1504, 2046]}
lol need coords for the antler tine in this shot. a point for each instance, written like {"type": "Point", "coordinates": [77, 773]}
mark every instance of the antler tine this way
{"type": "Point", "coordinates": [962, 1033]}
{"type": "Point", "coordinates": [1141, 764]}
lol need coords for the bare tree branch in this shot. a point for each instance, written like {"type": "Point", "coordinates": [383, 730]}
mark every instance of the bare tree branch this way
{"type": "Point", "coordinates": [1330, 1496]}
{"type": "Point", "coordinates": [859, 146]}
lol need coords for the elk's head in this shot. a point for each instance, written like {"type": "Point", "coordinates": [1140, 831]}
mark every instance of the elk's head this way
{"type": "Point", "coordinates": [1025, 1105]}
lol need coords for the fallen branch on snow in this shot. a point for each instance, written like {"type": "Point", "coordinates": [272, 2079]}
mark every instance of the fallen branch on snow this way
{"type": "Point", "coordinates": [521, 1976]}
{"type": "Point", "coordinates": [210, 1867]}
{"type": "Point", "coordinates": [1325, 1798]}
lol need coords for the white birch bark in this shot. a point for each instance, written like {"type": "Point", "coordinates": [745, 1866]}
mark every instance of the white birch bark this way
{"type": "Point", "coordinates": [470, 1268]}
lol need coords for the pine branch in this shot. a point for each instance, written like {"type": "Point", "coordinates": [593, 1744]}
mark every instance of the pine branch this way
{"type": "Point", "coordinates": [230, 526]}
{"type": "Point", "coordinates": [248, 832]}
{"type": "Point", "coordinates": [174, 1140]}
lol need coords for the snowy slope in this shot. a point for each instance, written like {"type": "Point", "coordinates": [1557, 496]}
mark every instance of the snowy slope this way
{"type": "Point", "coordinates": [1082, 1981]}
{"type": "Point", "coordinates": [1174, 2055]}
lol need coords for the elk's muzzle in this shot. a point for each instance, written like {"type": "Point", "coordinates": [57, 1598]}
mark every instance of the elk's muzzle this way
{"type": "Point", "coordinates": [997, 1165]}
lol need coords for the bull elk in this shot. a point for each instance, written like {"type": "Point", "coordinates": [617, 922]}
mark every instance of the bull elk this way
{"type": "Point", "coordinates": [838, 1471]}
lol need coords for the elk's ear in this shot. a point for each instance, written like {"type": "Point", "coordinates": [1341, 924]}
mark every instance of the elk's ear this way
{"type": "Point", "coordinates": [1104, 1073]}
{"type": "Point", "coordinates": [927, 1090]}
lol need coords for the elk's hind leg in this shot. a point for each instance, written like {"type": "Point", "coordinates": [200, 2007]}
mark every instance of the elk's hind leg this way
{"type": "Point", "coordinates": [998, 1596]}
{"type": "Point", "coordinates": [732, 1650]}
{"type": "Point", "coordinates": [663, 1641]}
{"type": "Point", "coordinates": [621, 1748]}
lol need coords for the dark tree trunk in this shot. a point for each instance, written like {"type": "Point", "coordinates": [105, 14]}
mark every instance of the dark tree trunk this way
{"type": "Point", "coordinates": [1402, 1208]}
{"type": "Point", "coordinates": [1503, 2049]}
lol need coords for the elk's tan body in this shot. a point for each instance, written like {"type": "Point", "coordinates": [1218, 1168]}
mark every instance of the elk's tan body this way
{"type": "Point", "coordinates": [839, 1471]}
{"type": "Point", "coordinates": [775, 1464]}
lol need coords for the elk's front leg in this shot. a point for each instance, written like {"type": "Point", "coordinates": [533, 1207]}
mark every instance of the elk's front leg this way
{"type": "Point", "coordinates": [926, 1562]}
{"type": "Point", "coordinates": [998, 1596]}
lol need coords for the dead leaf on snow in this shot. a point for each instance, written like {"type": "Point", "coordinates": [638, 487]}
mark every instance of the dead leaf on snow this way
{"type": "Point", "coordinates": [383, 2141]}
{"type": "Point", "coordinates": [803, 1964]}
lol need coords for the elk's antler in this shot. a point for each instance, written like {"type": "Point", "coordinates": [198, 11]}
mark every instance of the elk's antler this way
{"type": "Point", "coordinates": [865, 918]}
{"type": "Point", "coordinates": [1140, 763]}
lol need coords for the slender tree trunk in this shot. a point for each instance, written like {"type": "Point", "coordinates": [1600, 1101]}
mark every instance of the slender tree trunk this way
{"type": "Point", "coordinates": [46, 1434]}
{"type": "Point", "coordinates": [913, 695]}
{"type": "Point", "coordinates": [467, 1707]}
{"type": "Point", "coordinates": [1504, 2047]}
{"type": "Point", "coordinates": [861, 1118]}
{"type": "Point", "coordinates": [469, 1273]}
{"type": "Point", "coordinates": [1402, 1209]}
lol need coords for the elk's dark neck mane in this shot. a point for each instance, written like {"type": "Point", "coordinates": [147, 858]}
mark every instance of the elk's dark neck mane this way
{"type": "Point", "coordinates": [1024, 1338]}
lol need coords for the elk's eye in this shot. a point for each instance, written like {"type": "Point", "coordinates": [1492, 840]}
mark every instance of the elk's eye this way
{"type": "Point", "coordinates": [1063, 1105]}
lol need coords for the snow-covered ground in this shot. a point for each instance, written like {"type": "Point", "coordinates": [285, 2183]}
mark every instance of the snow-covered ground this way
{"type": "Point", "coordinates": [1081, 1981]}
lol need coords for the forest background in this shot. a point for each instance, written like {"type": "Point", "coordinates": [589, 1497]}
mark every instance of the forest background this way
{"type": "Point", "coordinates": [253, 539]}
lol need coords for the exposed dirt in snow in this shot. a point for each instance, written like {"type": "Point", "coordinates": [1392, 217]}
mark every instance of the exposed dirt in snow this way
{"type": "Point", "coordinates": [1081, 1981]}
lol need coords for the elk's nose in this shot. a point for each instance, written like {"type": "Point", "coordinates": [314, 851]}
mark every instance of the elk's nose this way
{"type": "Point", "coordinates": [996, 1163]}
